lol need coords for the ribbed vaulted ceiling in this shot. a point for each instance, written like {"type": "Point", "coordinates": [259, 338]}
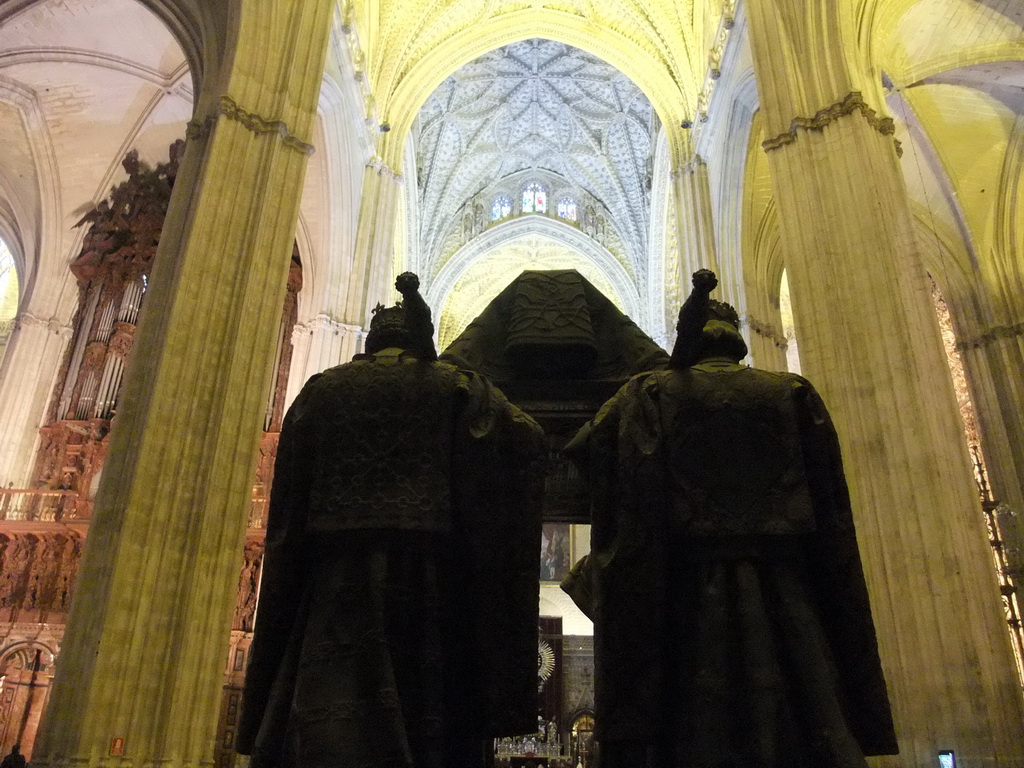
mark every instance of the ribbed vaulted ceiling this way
{"type": "Point", "coordinates": [543, 106]}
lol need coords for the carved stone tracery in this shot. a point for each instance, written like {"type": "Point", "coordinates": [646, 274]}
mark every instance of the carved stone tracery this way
{"type": "Point", "coordinates": [37, 574]}
{"type": "Point", "coordinates": [536, 111]}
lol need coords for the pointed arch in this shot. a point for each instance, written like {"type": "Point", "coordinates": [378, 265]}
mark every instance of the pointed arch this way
{"type": "Point", "coordinates": [669, 97]}
{"type": "Point", "coordinates": [444, 282]}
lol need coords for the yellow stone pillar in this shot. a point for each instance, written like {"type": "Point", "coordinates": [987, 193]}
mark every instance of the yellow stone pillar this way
{"type": "Point", "coordinates": [993, 359]}
{"type": "Point", "coordinates": [989, 314]}
{"type": "Point", "coordinates": [869, 340]}
{"type": "Point", "coordinates": [766, 336]}
{"type": "Point", "coordinates": [142, 663]}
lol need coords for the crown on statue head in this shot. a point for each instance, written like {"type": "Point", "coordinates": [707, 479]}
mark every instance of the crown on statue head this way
{"type": "Point", "coordinates": [388, 318]}
{"type": "Point", "coordinates": [719, 310]}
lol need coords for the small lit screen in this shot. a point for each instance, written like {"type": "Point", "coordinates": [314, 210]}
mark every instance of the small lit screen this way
{"type": "Point", "coordinates": [947, 760]}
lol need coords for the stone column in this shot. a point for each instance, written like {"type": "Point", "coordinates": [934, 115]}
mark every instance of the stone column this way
{"type": "Point", "coordinates": [31, 364]}
{"type": "Point", "coordinates": [695, 225]}
{"type": "Point", "coordinates": [697, 250]}
{"type": "Point", "coordinates": [870, 341]}
{"type": "Point", "coordinates": [319, 344]}
{"type": "Point", "coordinates": [993, 358]}
{"type": "Point", "coordinates": [145, 647]}
{"type": "Point", "coordinates": [764, 333]}
{"type": "Point", "coordinates": [989, 317]}
{"type": "Point", "coordinates": [370, 279]}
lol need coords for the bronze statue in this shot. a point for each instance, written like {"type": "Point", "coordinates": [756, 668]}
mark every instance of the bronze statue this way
{"type": "Point", "coordinates": [732, 624]}
{"type": "Point", "coordinates": [397, 622]}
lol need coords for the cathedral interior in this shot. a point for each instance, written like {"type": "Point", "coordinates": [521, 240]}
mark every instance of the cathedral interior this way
{"type": "Point", "coordinates": [220, 192]}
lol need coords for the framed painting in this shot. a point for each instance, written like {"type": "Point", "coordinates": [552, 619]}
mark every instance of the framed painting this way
{"type": "Point", "coordinates": [555, 551]}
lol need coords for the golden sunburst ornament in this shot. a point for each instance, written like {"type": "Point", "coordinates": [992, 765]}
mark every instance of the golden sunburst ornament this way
{"type": "Point", "coordinates": [545, 663]}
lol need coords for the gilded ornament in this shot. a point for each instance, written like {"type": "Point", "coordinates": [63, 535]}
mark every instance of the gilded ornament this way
{"type": "Point", "coordinates": [121, 342]}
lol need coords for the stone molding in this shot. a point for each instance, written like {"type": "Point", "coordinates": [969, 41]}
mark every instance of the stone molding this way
{"type": "Point", "coordinates": [688, 168]}
{"type": "Point", "coordinates": [324, 323]}
{"type": "Point", "coordinates": [767, 331]}
{"type": "Point", "coordinates": [256, 124]}
{"type": "Point", "coordinates": [716, 57]}
{"type": "Point", "coordinates": [525, 228]}
{"type": "Point", "coordinates": [28, 320]}
{"type": "Point", "coordinates": [854, 102]}
{"type": "Point", "coordinates": [377, 163]}
{"type": "Point", "coordinates": [996, 333]}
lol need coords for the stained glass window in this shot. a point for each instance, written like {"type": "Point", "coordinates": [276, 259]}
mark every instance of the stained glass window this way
{"type": "Point", "coordinates": [535, 199]}
{"type": "Point", "coordinates": [502, 207]}
{"type": "Point", "coordinates": [567, 208]}
{"type": "Point", "coordinates": [528, 200]}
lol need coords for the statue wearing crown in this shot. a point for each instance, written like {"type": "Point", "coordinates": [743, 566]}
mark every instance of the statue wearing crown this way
{"type": "Point", "coordinates": [397, 622]}
{"type": "Point", "coordinates": [732, 624]}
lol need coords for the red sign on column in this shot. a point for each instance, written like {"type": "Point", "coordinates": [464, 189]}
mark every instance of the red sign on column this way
{"type": "Point", "coordinates": [117, 746]}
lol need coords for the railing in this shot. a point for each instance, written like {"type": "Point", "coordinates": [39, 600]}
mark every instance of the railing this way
{"type": "Point", "coordinates": [37, 504]}
{"type": "Point", "coordinates": [43, 505]}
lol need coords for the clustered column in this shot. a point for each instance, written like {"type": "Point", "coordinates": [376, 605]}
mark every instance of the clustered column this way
{"type": "Point", "coordinates": [991, 344]}
{"type": "Point", "coordinates": [34, 352]}
{"type": "Point", "coordinates": [140, 671]}
{"type": "Point", "coordinates": [319, 344]}
{"type": "Point", "coordinates": [870, 340]}
{"type": "Point", "coordinates": [695, 225]}
{"type": "Point", "coordinates": [373, 265]}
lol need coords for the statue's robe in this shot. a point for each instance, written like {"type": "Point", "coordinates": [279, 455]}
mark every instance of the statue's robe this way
{"type": "Point", "coordinates": [397, 620]}
{"type": "Point", "coordinates": [732, 624]}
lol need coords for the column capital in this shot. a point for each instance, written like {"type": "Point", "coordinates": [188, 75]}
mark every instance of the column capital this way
{"type": "Point", "coordinates": [383, 169]}
{"type": "Point", "coordinates": [767, 330]}
{"type": "Point", "coordinates": [325, 322]}
{"type": "Point", "coordinates": [852, 102]}
{"type": "Point", "coordinates": [51, 324]}
{"type": "Point", "coordinates": [257, 124]}
{"type": "Point", "coordinates": [688, 168]}
{"type": "Point", "coordinates": [991, 335]}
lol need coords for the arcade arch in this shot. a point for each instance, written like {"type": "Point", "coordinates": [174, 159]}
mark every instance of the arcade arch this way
{"type": "Point", "coordinates": [475, 281]}
{"type": "Point", "coordinates": [77, 93]}
{"type": "Point", "coordinates": [534, 155]}
{"type": "Point", "coordinates": [26, 669]}
{"type": "Point", "coordinates": [436, 50]}
{"type": "Point", "coordinates": [8, 295]}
